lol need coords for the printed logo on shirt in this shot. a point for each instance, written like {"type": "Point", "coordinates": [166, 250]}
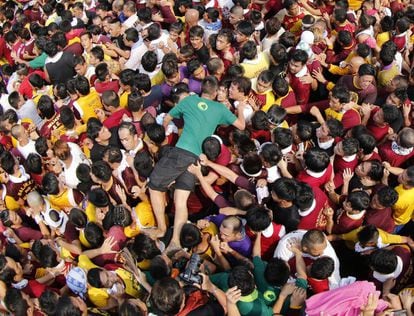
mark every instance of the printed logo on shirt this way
{"type": "Point", "coordinates": [202, 106]}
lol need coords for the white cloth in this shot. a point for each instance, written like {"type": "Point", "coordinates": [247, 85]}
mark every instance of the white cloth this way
{"type": "Point", "coordinates": [282, 252]}
{"type": "Point", "coordinates": [27, 149]}
{"type": "Point", "coordinates": [78, 157]}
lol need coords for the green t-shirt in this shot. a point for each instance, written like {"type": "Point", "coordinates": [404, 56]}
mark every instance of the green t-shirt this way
{"type": "Point", "coordinates": [271, 293]}
{"type": "Point", "coordinates": [251, 305]}
{"type": "Point", "coordinates": [201, 118]}
{"type": "Point", "coordinates": [38, 62]}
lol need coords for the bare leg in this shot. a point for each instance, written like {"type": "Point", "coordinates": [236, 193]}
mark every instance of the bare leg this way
{"type": "Point", "coordinates": [158, 207]}
{"type": "Point", "coordinates": [181, 214]}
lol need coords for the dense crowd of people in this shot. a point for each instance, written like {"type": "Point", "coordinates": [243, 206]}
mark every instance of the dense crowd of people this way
{"type": "Point", "coordinates": [221, 157]}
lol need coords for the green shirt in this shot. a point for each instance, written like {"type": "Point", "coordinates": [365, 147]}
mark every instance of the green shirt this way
{"type": "Point", "coordinates": [271, 293]}
{"type": "Point", "coordinates": [252, 304]}
{"type": "Point", "coordinates": [38, 62]}
{"type": "Point", "coordinates": [201, 118]}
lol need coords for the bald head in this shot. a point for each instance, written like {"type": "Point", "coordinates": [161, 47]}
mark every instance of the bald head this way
{"type": "Point", "coordinates": [355, 62]}
{"type": "Point", "coordinates": [406, 137]}
{"type": "Point", "coordinates": [191, 17]}
{"type": "Point", "coordinates": [18, 131]}
{"type": "Point", "coordinates": [34, 200]}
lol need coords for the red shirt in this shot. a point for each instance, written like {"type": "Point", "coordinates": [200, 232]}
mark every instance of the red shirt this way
{"type": "Point", "coordinates": [301, 90]}
{"type": "Point", "coordinates": [350, 119]}
{"type": "Point", "coordinates": [288, 100]}
{"type": "Point", "coordinates": [339, 166]}
{"type": "Point", "coordinates": [50, 125]}
{"type": "Point", "coordinates": [381, 219]}
{"type": "Point", "coordinates": [316, 182]}
{"type": "Point", "coordinates": [344, 224]}
{"type": "Point", "coordinates": [387, 154]}
{"type": "Point", "coordinates": [25, 88]}
{"type": "Point", "coordinates": [315, 219]}
{"type": "Point", "coordinates": [318, 286]}
{"type": "Point", "coordinates": [100, 87]}
{"type": "Point", "coordinates": [116, 118]}
{"type": "Point", "coordinates": [379, 132]}
{"type": "Point", "coordinates": [268, 244]}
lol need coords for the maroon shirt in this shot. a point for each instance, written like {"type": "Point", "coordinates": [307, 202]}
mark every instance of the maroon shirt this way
{"type": "Point", "coordinates": [368, 95]}
{"type": "Point", "coordinates": [387, 154]}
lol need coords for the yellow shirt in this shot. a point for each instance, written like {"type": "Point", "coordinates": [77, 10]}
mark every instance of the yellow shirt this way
{"type": "Point", "coordinates": [384, 77]}
{"type": "Point", "coordinates": [336, 70]}
{"type": "Point", "coordinates": [386, 238]}
{"type": "Point", "coordinates": [157, 79]}
{"type": "Point", "coordinates": [253, 68]}
{"type": "Point", "coordinates": [355, 4]}
{"type": "Point", "coordinates": [144, 218]}
{"type": "Point", "coordinates": [87, 104]}
{"type": "Point", "coordinates": [99, 297]}
{"type": "Point", "coordinates": [123, 99]}
{"type": "Point", "coordinates": [64, 200]}
{"type": "Point", "coordinates": [403, 209]}
{"type": "Point", "coordinates": [382, 38]}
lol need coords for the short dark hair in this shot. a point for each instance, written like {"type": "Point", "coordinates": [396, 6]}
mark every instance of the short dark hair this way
{"type": "Point", "coordinates": [316, 160]}
{"type": "Point", "coordinates": [190, 236]}
{"type": "Point", "coordinates": [322, 268]}
{"type": "Point", "coordinates": [167, 296]}
{"type": "Point", "coordinates": [258, 218]}
{"type": "Point", "coordinates": [241, 277]}
{"type": "Point", "coordinates": [359, 200]}
{"type": "Point", "coordinates": [383, 261]}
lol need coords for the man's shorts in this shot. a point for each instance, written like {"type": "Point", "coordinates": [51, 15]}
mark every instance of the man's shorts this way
{"type": "Point", "coordinates": [173, 167]}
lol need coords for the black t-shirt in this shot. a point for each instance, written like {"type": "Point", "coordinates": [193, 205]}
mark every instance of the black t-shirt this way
{"type": "Point", "coordinates": [203, 54]}
{"type": "Point", "coordinates": [62, 70]}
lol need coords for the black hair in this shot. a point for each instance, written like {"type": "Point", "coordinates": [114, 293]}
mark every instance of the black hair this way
{"type": "Point", "coordinates": [336, 129]}
{"type": "Point", "coordinates": [166, 296]}
{"type": "Point", "coordinates": [45, 107]}
{"type": "Point", "coordinates": [78, 217]}
{"type": "Point", "coordinates": [82, 85]}
{"type": "Point", "coordinates": [391, 113]}
{"type": "Point", "coordinates": [377, 170]}
{"type": "Point", "coordinates": [143, 164]}
{"type": "Point", "coordinates": [143, 247]}
{"type": "Point", "coordinates": [245, 27]}
{"type": "Point", "coordinates": [94, 278]}
{"type": "Point", "coordinates": [190, 236]}
{"type": "Point", "coordinates": [345, 38]}
{"type": "Point", "coordinates": [285, 189]}
{"type": "Point", "coordinates": [48, 301]}
{"type": "Point", "coordinates": [47, 257]}
{"type": "Point", "coordinates": [94, 235]}
{"type": "Point", "coordinates": [350, 146]}
{"type": "Point", "coordinates": [33, 163]}
{"type": "Point", "coordinates": [211, 147]}
{"type": "Point", "coordinates": [252, 163]}
{"type": "Point", "coordinates": [101, 170]}
{"type": "Point", "coordinates": [276, 114]}
{"type": "Point", "coordinates": [14, 302]}
{"type": "Point", "coordinates": [258, 218]}
{"type": "Point", "coordinates": [276, 272]}
{"type": "Point", "coordinates": [366, 70]}
{"type": "Point", "coordinates": [50, 183]}
{"type": "Point", "coordinates": [280, 86]}
{"type": "Point", "coordinates": [322, 268]}
{"type": "Point", "coordinates": [118, 215]}
{"type": "Point", "coordinates": [387, 196]}
{"type": "Point", "coordinates": [359, 200]}
{"type": "Point", "coordinates": [316, 160]}
{"type": "Point", "coordinates": [271, 154]}
{"type": "Point", "coordinates": [149, 61]}
{"type": "Point", "coordinates": [305, 196]}
{"type": "Point", "coordinates": [383, 261]}
{"type": "Point", "coordinates": [159, 268]}
{"type": "Point", "coordinates": [6, 274]}
{"type": "Point", "coordinates": [93, 127]}
{"type": "Point", "coordinates": [241, 277]}
{"type": "Point", "coordinates": [299, 55]}
{"type": "Point", "coordinates": [368, 233]}
{"type": "Point", "coordinates": [341, 93]}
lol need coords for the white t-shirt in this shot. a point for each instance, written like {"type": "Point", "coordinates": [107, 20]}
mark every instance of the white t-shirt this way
{"type": "Point", "coordinates": [282, 252]}
{"type": "Point", "coordinates": [78, 157]}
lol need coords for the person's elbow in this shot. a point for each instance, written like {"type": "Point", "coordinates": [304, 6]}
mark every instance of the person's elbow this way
{"type": "Point", "coordinates": [240, 124]}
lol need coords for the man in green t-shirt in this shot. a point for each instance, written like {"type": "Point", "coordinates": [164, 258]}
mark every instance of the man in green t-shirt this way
{"type": "Point", "coordinates": [201, 117]}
